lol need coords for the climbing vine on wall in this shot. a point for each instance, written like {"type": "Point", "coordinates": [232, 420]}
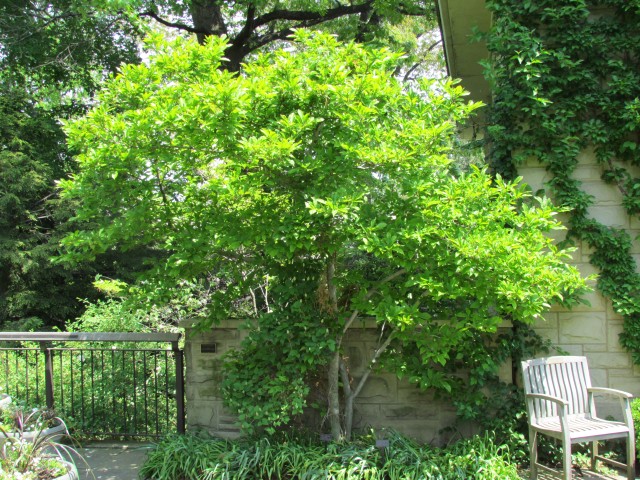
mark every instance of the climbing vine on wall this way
{"type": "Point", "coordinates": [566, 78]}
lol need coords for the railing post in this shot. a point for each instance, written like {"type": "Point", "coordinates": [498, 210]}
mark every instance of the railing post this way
{"type": "Point", "coordinates": [179, 386]}
{"type": "Point", "coordinates": [48, 373]}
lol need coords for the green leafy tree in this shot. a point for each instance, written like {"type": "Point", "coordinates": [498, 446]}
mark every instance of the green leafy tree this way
{"type": "Point", "coordinates": [320, 185]}
{"type": "Point", "coordinates": [53, 55]}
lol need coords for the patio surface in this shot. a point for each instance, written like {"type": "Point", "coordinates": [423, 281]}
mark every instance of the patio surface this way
{"type": "Point", "coordinates": [112, 460]}
{"type": "Point", "coordinates": [586, 475]}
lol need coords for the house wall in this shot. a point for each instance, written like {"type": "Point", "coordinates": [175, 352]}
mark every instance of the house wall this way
{"type": "Point", "coordinates": [592, 330]}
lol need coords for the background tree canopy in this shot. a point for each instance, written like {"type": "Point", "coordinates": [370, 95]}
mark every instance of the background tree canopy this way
{"type": "Point", "coordinates": [319, 185]}
{"type": "Point", "coordinates": [51, 61]}
{"type": "Point", "coordinates": [251, 25]}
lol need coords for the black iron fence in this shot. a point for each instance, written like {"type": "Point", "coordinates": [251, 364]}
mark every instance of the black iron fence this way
{"type": "Point", "coordinates": [115, 384]}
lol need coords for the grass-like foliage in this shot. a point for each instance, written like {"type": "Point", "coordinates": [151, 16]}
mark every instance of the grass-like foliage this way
{"type": "Point", "coordinates": [191, 457]}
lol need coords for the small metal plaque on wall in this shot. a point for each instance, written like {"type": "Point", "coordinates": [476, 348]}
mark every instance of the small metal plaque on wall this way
{"type": "Point", "coordinates": [208, 348]}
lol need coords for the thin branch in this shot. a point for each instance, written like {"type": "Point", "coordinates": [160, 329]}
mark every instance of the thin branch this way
{"type": "Point", "coordinates": [166, 23]}
{"type": "Point", "coordinates": [376, 355]}
{"type": "Point", "coordinates": [434, 45]}
{"type": "Point", "coordinates": [411, 70]}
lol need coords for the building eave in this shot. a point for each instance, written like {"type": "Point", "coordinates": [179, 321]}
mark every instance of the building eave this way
{"type": "Point", "coordinates": [459, 19]}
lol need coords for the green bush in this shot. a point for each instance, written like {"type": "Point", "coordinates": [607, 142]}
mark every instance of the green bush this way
{"type": "Point", "coordinates": [635, 413]}
{"type": "Point", "coordinates": [190, 457]}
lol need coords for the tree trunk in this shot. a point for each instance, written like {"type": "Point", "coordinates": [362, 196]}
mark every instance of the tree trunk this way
{"type": "Point", "coordinates": [207, 19]}
{"type": "Point", "coordinates": [334, 365]}
{"type": "Point", "coordinates": [334, 397]}
{"type": "Point", "coordinates": [349, 399]}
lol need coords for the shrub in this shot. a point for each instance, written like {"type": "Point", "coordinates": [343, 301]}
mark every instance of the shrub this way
{"type": "Point", "coordinates": [635, 413]}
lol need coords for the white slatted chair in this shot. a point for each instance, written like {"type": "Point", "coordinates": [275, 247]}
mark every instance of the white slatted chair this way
{"type": "Point", "coordinates": [560, 404]}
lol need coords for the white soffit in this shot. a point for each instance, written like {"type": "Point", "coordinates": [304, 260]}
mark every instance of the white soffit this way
{"type": "Point", "coordinates": [458, 18]}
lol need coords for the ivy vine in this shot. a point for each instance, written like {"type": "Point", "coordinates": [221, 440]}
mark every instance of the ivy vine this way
{"type": "Point", "coordinates": [566, 77]}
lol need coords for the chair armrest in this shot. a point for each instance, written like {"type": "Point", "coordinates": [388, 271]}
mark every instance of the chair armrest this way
{"type": "Point", "coordinates": [562, 406]}
{"type": "Point", "coordinates": [610, 391]}
{"type": "Point", "coordinates": [541, 396]}
{"type": "Point", "coordinates": [624, 397]}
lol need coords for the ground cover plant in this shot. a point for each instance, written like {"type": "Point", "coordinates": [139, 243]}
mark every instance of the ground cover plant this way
{"type": "Point", "coordinates": [317, 187]}
{"type": "Point", "coordinates": [193, 458]}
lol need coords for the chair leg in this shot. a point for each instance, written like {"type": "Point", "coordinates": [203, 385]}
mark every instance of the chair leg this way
{"type": "Point", "coordinates": [566, 459]}
{"type": "Point", "coordinates": [594, 454]}
{"type": "Point", "coordinates": [533, 454]}
{"type": "Point", "coordinates": [631, 457]}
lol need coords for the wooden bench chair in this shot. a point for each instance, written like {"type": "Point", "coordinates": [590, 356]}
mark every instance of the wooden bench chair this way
{"type": "Point", "coordinates": [560, 404]}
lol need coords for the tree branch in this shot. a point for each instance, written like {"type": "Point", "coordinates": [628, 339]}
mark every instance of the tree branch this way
{"type": "Point", "coordinates": [346, 381]}
{"type": "Point", "coordinates": [331, 286]}
{"type": "Point", "coordinates": [376, 355]}
{"type": "Point", "coordinates": [309, 15]}
{"type": "Point", "coordinates": [249, 26]}
{"type": "Point", "coordinates": [304, 17]}
{"type": "Point", "coordinates": [402, 8]}
{"type": "Point", "coordinates": [166, 23]}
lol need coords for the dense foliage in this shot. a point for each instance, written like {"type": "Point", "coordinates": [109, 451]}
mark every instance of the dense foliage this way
{"type": "Point", "coordinates": [318, 185]}
{"type": "Point", "coordinates": [566, 79]}
{"type": "Point", "coordinates": [193, 458]}
{"type": "Point", "coordinates": [51, 60]}
{"type": "Point", "coordinates": [635, 414]}
{"type": "Point", "coordinates": [98, 386]}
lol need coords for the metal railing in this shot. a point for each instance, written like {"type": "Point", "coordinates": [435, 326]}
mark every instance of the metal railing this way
{"type": "Point", "coordinates": [131, 390]}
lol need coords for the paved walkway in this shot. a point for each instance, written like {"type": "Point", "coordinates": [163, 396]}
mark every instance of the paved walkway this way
{"type": "Point", "coordinates": [586, 475]}
{"type": "Point", "coordinates": [112, 461]}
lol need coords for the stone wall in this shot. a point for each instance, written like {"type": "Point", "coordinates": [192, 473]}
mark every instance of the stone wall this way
{"type": "Point", "coordinates": [385, 401]}
{"type": "Point", "coordinates": [592, 330]}
{"type": "Point", "coordinates": [204, 406]}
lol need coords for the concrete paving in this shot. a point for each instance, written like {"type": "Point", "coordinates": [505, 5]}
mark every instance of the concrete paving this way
{"type": "Point", "coordinates": [111, 461]}
{"type": "Point", "coordinates": [583, 475]}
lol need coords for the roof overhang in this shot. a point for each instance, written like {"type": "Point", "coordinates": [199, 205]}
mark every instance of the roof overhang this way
{"type": "Point", "coordinates": [458, 20]}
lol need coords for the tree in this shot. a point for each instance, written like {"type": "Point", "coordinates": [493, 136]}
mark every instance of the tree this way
{"type": "Point", "coordinates": [54, 54]}
{"type": "Point", "coordinates": [318, 177]}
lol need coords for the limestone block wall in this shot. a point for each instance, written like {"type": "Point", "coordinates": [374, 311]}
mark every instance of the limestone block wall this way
{"type": "Point", "coordinates": [592, 330]}
{"type": "Point", "coordinates": [385, 401]}
{"type": "Point", "coordinates": [203, 353]}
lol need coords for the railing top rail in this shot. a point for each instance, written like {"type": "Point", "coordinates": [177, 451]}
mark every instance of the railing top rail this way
{"type": "Point", "coordinates": [89, 337]}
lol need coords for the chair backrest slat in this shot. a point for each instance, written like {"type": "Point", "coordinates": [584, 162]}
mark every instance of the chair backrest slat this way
{"type": "Point", "coordinates": [563, 377]}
